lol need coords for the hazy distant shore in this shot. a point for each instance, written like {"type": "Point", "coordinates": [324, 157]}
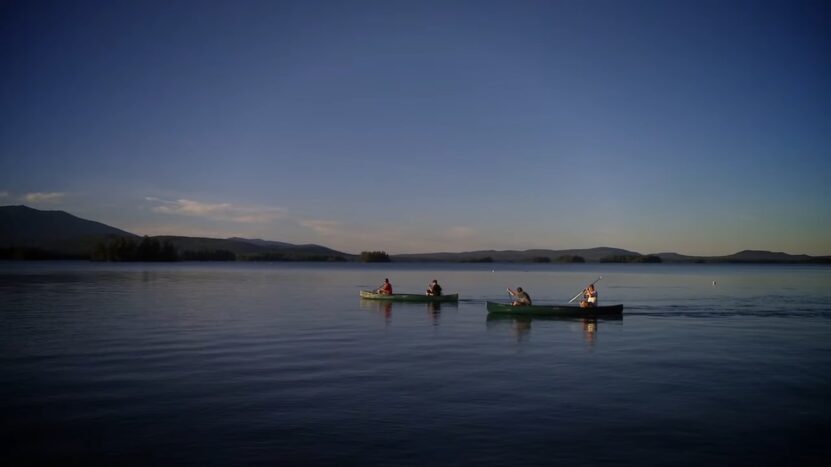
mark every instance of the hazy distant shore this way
{"type": "Point", "coordinates": [32, 234]}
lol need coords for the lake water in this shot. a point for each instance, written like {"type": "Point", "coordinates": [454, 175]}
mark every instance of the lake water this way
{"type": "Point", "coordinates": [283, 364]}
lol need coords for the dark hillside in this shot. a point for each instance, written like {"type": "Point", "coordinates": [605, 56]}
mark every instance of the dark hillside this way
{"type": "Point", "coordinates": [22, 227]}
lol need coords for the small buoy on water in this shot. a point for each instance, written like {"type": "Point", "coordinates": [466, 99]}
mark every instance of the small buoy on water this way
{"type": "Point", "coordinates": [714, 282]}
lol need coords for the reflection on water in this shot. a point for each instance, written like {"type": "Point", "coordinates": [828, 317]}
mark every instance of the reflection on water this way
{"type": "Point", "coordinates": [432, 309]}
{"type": "Point", "coordinates": [282, 364]}
{"type": "Point", "coordinates": [378, 306]}
{"type": "Point", "coordinates": [521, 325]}
{"type": "Point", "coordinates": [590, 330]}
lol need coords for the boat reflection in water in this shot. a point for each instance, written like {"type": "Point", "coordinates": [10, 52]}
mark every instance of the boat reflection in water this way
{"type": "Point", "coordinates": [590, 329]}
{"type": "Point", "coordinates": [382, 307]}
{"type": "Point", "coordinates": [521, 325]}
{"type": "Point", "coordinates": [433, 309]}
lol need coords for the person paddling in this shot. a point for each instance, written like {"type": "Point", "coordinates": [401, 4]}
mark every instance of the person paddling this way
{"type": "Point", "coordinates": [434, 288]}
{"type": "Point", "coordinates": [589, 297]}
{"type": "Point", "coordinates": [521, 297]}
{"type": "Point", "coordinates": [385, 289]}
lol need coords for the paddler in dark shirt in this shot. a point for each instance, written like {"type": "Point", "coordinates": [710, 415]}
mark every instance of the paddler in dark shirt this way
{"type": "Point", "coordinates": [521, 298]}
{"type": "Point", "coordinates": [434, 288]}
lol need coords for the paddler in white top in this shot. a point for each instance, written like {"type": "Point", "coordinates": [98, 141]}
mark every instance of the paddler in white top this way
{"type": "Point", "coordinates": [589, 297]}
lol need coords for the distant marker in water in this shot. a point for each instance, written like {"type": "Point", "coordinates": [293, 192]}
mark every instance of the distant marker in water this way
{"type": "Point", "coordinates": [714, 282]}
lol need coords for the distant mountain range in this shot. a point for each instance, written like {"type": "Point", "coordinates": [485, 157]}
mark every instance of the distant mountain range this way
{"type": "Point", "coordinates": [610, 255]}
{"type": "Point", "coordinates": [27, 232]}
{"type": "Point", "coordinates": [31, 233]}
{"type": "Point", "coordinates": [745, 256]}
{"type": "Point", "coordinates": [541, 256]}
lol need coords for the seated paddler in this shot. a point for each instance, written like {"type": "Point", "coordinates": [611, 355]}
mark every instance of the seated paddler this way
{"type": "Point", "coordinates": [521, 297]}
{"type": "Point", "coordinates": [434, 289]}
{"type": "Point", "coordinates": [385, 289]}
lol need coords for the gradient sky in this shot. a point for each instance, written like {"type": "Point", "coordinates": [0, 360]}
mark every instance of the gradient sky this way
{"type": "Point", "coordinates": [700, 127]}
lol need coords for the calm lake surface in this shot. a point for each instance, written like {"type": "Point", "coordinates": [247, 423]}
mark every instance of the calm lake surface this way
{"type": "Point", "coordinates": [283, 364]}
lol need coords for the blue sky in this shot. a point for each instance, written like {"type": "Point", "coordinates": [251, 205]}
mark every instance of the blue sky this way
{"type": "Point", "coordinates": [695, 127]}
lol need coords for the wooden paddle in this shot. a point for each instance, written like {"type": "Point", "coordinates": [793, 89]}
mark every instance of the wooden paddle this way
{"type": "Point", "coordinates": [584, 289]}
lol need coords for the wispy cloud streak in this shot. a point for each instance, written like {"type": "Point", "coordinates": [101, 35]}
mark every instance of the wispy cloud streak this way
{"type": "Point", "coordinates": [41, 198]}
{"type": "Point", "coordinates": [322, 227]}
{"type": "Point", "coordinates": [219, 211]}
{"type": "Point", "coordinates": [393, 238]}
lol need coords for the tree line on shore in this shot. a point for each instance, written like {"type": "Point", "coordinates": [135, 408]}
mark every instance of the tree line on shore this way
{"type": "Point", "coordinates": [121, 249]}
{"type": "Point", "coordinates": [151, 249]}
{"type": "Point", "coordinates": [127, 249]}
{"type": "Point", "coordinates": [375, 257]}
{"type": "Point", "coordinates": [577, 259]}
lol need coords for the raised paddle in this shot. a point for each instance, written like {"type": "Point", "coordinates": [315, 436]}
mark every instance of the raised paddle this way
{"type": "Point", "coordinates": [584, 289]}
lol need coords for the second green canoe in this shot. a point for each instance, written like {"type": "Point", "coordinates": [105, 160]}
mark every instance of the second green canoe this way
{"type": "Point", "coordinates": [555, 310]}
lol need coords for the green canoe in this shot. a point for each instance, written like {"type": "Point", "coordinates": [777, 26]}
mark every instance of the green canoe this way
{"type": "Point", "coordinates": [556, 310]}
{"type": "Point", "coordinates": [406, 297]}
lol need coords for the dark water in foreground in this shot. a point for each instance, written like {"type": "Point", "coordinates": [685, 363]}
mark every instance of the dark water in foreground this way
{"type": "Point", "coordinates": [250, 364]}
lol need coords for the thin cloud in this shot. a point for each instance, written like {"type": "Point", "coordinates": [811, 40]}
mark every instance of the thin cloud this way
{"type": "Point", "coordinates": [219, 211]}
{"type": "Point", "coordinates": [45, 198]}
{"type": "Point", "coordinates": [393, 238]}
{"type": "Point", "coordinates": [4, 194]}
{"type": "Point", "coordinates": [322, 227]}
